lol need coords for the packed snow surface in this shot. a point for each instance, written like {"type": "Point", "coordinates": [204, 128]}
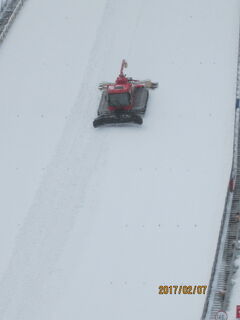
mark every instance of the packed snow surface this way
{"type": "Point", "coordinates": [94, 220]}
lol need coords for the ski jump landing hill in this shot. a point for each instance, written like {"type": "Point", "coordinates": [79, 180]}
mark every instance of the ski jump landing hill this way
{"type": "Point", "coordinates": [93, 221]}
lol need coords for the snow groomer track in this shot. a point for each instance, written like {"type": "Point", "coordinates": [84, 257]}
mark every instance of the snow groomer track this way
{"type": "Point", "coordinates": [228, 248]}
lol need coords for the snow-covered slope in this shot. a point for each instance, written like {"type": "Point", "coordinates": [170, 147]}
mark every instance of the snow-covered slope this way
{"type": "Point", "coordinates": [117, 211]}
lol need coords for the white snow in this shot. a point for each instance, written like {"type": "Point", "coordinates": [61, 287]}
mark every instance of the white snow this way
{"type": "Point", "coordinates": [93, 221]}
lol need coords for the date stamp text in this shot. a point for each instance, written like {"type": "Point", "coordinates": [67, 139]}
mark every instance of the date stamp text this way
{"type": "Point", "coordinates": [197, 289]}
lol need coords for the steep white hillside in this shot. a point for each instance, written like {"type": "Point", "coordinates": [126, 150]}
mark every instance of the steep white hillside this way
{"type": "Point", "coordinates": [117, 211]}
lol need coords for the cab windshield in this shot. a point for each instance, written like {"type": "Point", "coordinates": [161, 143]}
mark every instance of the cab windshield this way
{"type": "Point", "coordinates": [119, 99]}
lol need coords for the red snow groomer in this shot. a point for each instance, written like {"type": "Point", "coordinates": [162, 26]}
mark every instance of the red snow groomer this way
{"type": "Point", "coordinates": [123, 101]}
